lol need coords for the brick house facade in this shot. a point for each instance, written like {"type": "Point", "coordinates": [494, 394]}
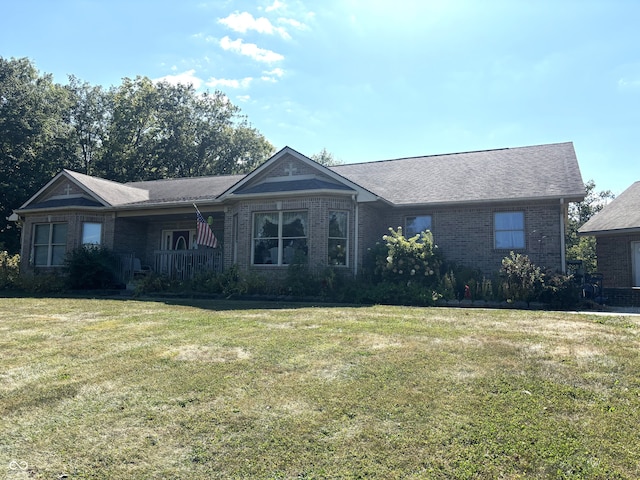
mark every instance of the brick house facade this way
{"type": "Point", "coordinates": [617, 231]}
{"type": "Point", "coordinates": [478, 205]}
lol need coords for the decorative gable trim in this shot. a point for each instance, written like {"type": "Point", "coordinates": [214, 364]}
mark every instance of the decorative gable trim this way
{"type": "Point", "coordinates": [363, 195]}
{"type": "Point", "coordinates": [64, 174]}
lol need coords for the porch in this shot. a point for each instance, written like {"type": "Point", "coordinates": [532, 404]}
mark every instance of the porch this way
{"type": "Point", "coordinates": [175, 264]}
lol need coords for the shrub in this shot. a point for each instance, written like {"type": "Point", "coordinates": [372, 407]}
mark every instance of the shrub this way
{"type": "Point", "coordinates": [560, 291]}
{"type": "Point", "coordinates": [41, 283]}
{"type": "Point", "coordinates": [233, 282]}
{"type": "Point", "coordinates": [153, 283]}
{"type": "Point", "coordinates": [459, 282]}
{"type": "Point", "coordinates": [523, 281]}
{"type": "Point", "coordinates": [9, 270]}
{"type": "Point", "coordinates": [409, 261]}
{"type": "Point", "coordinates": [91, 267]}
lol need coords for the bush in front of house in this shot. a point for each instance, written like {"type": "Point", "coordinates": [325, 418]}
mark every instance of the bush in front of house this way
{"type": "Point", "coordinates": [458, 282]}
{"type": "Point", "coordinates": [401, 270]}
{"type": "Point", "coordinates": [9, 270]}
{"type": "Point", "coordinates": [11, 279]}
{"type": "Point", "coordinates": [414, 260]}
{"type": "Point", "coordinates": [522, 279]}
{"type": "Point", "coordinates": [91, 267]}
{"type": "Point", "coordinates": [560, 291]}
{"type": "Point", "coordinates": [41, 283]}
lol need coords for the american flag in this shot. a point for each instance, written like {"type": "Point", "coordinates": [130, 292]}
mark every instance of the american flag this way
{"type": "Point", "coordinates": [205, 236]}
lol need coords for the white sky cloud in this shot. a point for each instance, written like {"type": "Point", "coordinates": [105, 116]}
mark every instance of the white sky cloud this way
{"type": "Point", "coordinates": [272, 75]}
{"type": "Point", "coordinates": [243, 22]}
{"type": "Point", "coordinates": [184, 78]}
{"type": "Point", "coordinates": [229, 83]}
{"type": "Point", "coordinates": [250, 50]}
{"type": "Point", "coordinates": [244, 98]}
{"type": "Point", "coordinates": [293, 23]}
{"type": "Point", "coordinates": [626, 83]}
{"type": "Point", "coordinates": [275, 6]}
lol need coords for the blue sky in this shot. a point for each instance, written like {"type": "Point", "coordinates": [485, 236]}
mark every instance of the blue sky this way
{"type": "Point", "coordinates": [372, 79]}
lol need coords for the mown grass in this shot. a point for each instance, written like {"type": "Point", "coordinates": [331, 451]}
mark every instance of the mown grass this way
{"type": "Point", "coordinates": [135, 389]}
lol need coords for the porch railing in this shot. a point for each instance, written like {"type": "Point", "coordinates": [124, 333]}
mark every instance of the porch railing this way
{"type": "Point", "coordinates": [185, 264]}
{"type": "Point", "coordinates": [124, 267]}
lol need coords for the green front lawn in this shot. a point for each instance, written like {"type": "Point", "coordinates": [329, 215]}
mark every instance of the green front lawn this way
{"type": "Point", "coordinates": [135, 389]}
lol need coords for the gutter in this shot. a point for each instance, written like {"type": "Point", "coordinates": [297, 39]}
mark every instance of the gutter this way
{"type": "Point", "coordinates": [612, 231]}
{"type": "Point", "coordinates": [490, 201]}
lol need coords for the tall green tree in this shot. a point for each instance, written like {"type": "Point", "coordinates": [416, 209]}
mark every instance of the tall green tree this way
{"type": "Point", "coordinates": [87, 117]}
{"type": "Point", "coordinates": [326, 158]}
{"type": "Point", "coordinates": [160, 130]}
{"type": "Point", "coordinates": [33, 138]}
{"type": "Point", "coordinates": [580, 247]}
{"type": "Point", "coordinates": [131, 133]}
{"type": "Point", "coordinates": [139, 130]}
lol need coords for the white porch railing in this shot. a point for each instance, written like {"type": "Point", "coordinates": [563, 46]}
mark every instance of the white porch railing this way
{"type": "Point", "coordinates": [185, 264]}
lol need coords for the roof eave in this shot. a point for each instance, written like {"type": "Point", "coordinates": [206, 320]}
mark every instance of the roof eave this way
{"type": "Point", "coordinates": [611, 231]}
{"type": "Point", "coordinates": [27, 211]}
{"type": "Point", "coordinates": [493, 201]}
{"type": "Point", "coordinates": [292, 193]}
{"type": "Point", "coordinates": [168, 204]}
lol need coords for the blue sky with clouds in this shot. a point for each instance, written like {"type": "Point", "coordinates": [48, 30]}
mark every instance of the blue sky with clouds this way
{"type": "Point", "coordinates": [372, 79]}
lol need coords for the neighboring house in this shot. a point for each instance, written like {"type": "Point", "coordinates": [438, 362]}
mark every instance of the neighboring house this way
{"type": "Point", "coordinates": [479, 206]}
{"type": "Point", "coordinates": [617, 231]}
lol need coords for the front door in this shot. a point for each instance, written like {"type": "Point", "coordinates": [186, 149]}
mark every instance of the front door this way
{"type": "Point", "coordinates": [635, 261]}
{"type": "Point", "coordinates": [178, 239]}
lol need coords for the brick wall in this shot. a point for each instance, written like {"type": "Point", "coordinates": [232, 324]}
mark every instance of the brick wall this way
{"type": "Point", "coordinates": [317, 208]}
{"type": "Point", "coordinates": [131, 236]}
{"type": "Point", "coordinates": [465, 235]}
{"type": "Point", "coordinates": [622, 297]}
{"type": "Point", "coordinates": [614, 259]}
{"type": "Point", "coordinates": [74, 221]}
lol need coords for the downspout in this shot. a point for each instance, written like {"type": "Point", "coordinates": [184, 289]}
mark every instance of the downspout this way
{"type": "Point", "coordinates": [563, 246]}
{"type": "Point", "coordinates": [356, 235]}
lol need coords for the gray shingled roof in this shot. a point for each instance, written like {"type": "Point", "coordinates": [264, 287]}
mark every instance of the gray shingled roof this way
{"type": "Point", "coordinates": [543, 171]}
{"type": "Point", "coordinates": [113, 193]}
{"type": "Point", "coordinates": [621, 215]}
{"type": "Point", "coordinates": [185, 189]}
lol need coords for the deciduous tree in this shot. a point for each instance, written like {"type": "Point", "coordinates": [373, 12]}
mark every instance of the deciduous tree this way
{"type": "Point", "coordinates": [580, 247]}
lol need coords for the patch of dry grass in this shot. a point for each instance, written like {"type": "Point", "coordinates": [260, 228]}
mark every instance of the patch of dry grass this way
{"type": "Point", "coordinates": [135, 389]}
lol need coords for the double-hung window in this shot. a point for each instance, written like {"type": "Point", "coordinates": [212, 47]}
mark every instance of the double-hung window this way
{"type": "Point", "coordinates": [338, 237]}
{"type": "Point", "coordinates": [414, 225]}
{"type": "Point", "coordinates": [509, 230]}
{"type": "Point", "coordinates": [280, 238]}
{"type": "Point", "coordinates": [49, 244]}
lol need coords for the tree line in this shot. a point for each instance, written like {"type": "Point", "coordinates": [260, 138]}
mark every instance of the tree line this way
{"type": "Point", "coordinates": [138, 130]}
